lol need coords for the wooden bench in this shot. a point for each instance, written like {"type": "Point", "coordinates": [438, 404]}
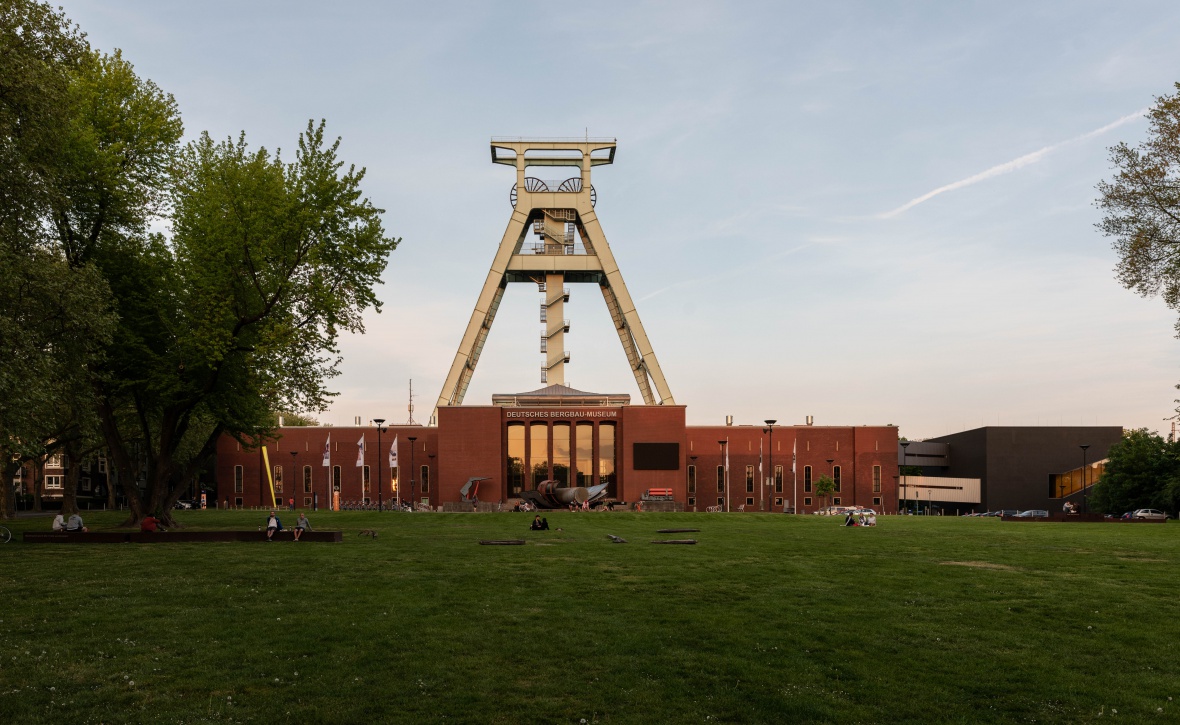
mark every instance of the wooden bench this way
{"type": "Point", "coordinates": [162, 537]}
{"type": "Point", "coordinates": [657, 494]}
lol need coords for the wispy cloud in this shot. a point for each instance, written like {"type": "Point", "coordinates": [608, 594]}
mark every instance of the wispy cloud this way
{"type": "Point", "coordinates": [1009, 166]}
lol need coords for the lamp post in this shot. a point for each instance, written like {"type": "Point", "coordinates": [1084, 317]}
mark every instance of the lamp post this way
{"type": "Point", "coordinates": [294, 477]}
{"type": "Point", "coordinates": [724, 472]}
{"type": "Point", "coordinates": [380, 430]}
{"type": "Point", "coordinates": [832, 474]}
{"type": "Point", "coordinates": [904, 492]}
{"type": "Point", "coordinates": [1085, 494]}
{"type": "Point", "coordinates": [413, 506]}
{"type": "Point", "coordinates": [770, 457]}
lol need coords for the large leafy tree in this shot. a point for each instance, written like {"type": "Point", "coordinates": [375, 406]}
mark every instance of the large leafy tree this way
{"type": "Point", "coordinates": [238, 313]}
{"type": "Point", "coordinates": [1143, 471]}
{"type": "Point", "coordinates": [54, 317]}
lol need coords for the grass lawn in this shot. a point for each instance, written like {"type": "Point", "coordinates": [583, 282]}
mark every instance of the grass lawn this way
{"type": "Point", "coordinates": [769, 618]}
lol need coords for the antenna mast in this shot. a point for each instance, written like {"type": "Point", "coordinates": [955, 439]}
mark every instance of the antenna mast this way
{"type": "Point", "coordinates": [411, 420]}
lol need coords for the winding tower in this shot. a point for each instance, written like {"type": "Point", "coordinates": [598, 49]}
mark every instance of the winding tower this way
{"type": "Point", "coordinates": [570, 247]}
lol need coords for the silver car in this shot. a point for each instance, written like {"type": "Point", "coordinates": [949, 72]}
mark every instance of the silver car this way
{"type": "Point", "coordinates": [1149, 514]}
{"type": "Point", "coordinates": [1033, 514]}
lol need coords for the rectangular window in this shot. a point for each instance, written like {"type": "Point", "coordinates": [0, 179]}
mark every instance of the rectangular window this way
{"type": "Point", "coordinates": [53, 481]}
{"type": "Point", "coordinates": [778, 502]}
{"type": "Point", "coordinates": [692, 501]}
{"type": "Point", "coordinates": [55, 461]}
{"type": "Point", "coordinates": [561, 453]}
{"type": "Point", "coordinates": [876, 501]}
{"type": "Point", "coordinates": [836, 479]}
{"type": "Point", "coordinates": [876, 479]}
{"type": "Point", "coordinates": [778, 479]}
{"type": "Point", "coordinates": [606, 456]}
{"type": "Point", "coordinates": [102, 464]}
{"type": "Point", "coordinates": [425, 479]}
{"type": "Point", "coordinates": [335, 478]}
{"type": "Point", "coordinates": [516, 458]}
{"type": "Point", "coordinates": [239, 480]}
{"type": "Point", "coordinates": [720, 501]}
{"type": "Point", "coordinates": [584, 448]}
{"type": "Point", "coordinates": [84, 482]}
{"type": "Point", "coordinates": [307, 502]}
{"type": "Point", "coordinates": [692, 479]}
{"type": "Point", "coordinates": [807, 501]}
{"type": "Point", "coordinates": [750, 480]}
{"type": "Point", "coordinates": [539, 452]}
{"type": "Point", "coordinates": [307, 479]}
{"type": "Point", "coordinates": [278, 479]}
{"type": "Point", "coordinates": [836, 501]}
{"type": "Point", "coordinates": [807, 479]}
{"type": "Point", "coordinates": [86, 465]}
{"type": "Point", "coordinates": [365, 481]}
{"type": "Point", "coordinates": [720, 478]}
{"type": "Point", "coordinates": [393, 480]}
{"type": "Point", "coordinates": [749, 501]}
{"type": "Point", "coordinates": [238, 502]}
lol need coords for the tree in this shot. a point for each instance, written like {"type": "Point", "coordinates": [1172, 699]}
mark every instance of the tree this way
{"type": "Point", "coordinates": [824, 487]}
{"type": "Point", "coordinates": [238, 313]}
{"type": "Point", "coordinates": [1142, 471]}
{"type": "Point", "coordinates": [1141, 207]}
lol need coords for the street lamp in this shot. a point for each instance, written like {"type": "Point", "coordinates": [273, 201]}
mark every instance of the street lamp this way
{"type": "Point", "coordinates": [1085, 495]}
{"type": "Point", "coordinates": [769, 430]}
{"type": "Point", "coordinates": [832, 473]}
{"type": "Point", "coordinates": [380, 502]}
{"type": "Point", "coordinates": [904, 491]}
{"type": "Point", "coordinates": [412, 505]}
{"type": "Point", "coordinates": [724, 472]}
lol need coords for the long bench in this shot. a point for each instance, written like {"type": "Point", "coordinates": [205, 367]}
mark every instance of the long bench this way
{"type": "Point", "coordinates": [162, 537]}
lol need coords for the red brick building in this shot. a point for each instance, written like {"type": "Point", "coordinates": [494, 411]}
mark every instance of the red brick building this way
{"type": "Point", "coordinates": [579, 439]}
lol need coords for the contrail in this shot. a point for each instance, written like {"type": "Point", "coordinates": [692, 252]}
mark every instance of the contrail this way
{"type": "Point", "coordinates": [1012, 165]}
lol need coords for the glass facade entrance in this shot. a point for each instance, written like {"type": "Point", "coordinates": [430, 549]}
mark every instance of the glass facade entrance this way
{"type": "Point", "coordinates": [581, 453]}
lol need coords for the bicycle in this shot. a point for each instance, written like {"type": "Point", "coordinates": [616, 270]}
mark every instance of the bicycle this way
{"type": "Point", "coordinates": [5, 535]}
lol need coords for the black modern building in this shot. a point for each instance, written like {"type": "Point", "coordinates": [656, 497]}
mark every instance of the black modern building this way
{"type": "Point", "coordinates": [1015, 464]}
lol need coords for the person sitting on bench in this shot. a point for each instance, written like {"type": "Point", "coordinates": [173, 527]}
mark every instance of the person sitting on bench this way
{"type": "Point", "coordinates": [301, 525]}
{"type": "Point", "coordinates": [272, 525]}
{"type": "Point", "coordinates": [75, 524]}
{"type": "Point", "coordinates": [59, 523]}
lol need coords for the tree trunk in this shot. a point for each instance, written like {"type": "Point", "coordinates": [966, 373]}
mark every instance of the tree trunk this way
{"type": "Point", "coordinates": [38, 482]}
{"type": "Point", "coordinates": [7, 489]}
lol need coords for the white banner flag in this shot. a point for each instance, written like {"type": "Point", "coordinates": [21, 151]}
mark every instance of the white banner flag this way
{"type": "Point", "coordinates": [393, 453]}
{"type": "Point", "coordinates": [328, 451]}
{"type": "Point", "coordinates": [360, 451]}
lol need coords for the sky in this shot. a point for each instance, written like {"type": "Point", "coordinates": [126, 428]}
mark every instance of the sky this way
{"type": "Point", "coordinates": [866, 212]}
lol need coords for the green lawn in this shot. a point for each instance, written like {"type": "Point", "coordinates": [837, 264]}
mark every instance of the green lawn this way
{"type": "Point", "coordinates": [767, 619]}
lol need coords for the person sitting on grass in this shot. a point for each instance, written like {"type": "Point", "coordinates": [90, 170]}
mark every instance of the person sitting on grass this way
{"type": "Point", "coordinates": [272, 525]}
{"type": "Point", "coordinates": [544, 524]}
{"type": "Point", "coordinates": [848, 520]}
{"type": "Point", "coordinates": [873, 519]}
{"type": "Point", "coordinates": [75, 524]}
{"type": "Point", "coordinates": [536, 525]}
{"type": "Point", "coordinates": [301, 525]}
{"type": "Point", "coordinates": [149, 525]}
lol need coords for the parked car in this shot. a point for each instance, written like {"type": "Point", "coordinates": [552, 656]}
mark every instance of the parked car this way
{"type": "Point", "coordinates": [1033, 514]}
{"type": "Point", "coordinates": [1152, 514]}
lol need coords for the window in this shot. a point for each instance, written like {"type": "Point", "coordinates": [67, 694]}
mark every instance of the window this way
{"type": "Point", "coordinates": [807, 481]}
{"type": "Point", "coordinates": [720, 478]}
{"type": "Point", "coordinates": [307, 479]}
{"type": "Point", "coordinates": [876, 479]}
{"type": "Point", "coordinates": [425, 479]}
{"type": "Point", "coordinates": [749, 501]}
{"type": "Point", "coordinates": [239, 479]}
{"type": "Point", "coordinates": [238, 502]}
{"type": "Point", "coordinates": [86, 465]}
{"type": "Point", "coordinates": [836, 501]}
{"type": "Point", "coordinates": [102, 464]}
{"type": "Point", "coordinates": [561, 453]}
{"type": "Point", "coordinates": [515, 458]}
{"type": "Point", "coordinates": [307, 502]}
{"type": "Point", "coordinates": [778, 502]}
{"type": "Point", "coordinates": [876, 500]}
{"type": "Point", "coordinates": [778, 479]}
{"type": "Point", "coordinates": [692, 501]}
{"type": "Point", "coordinates": [278, 479]}
{"type": "Point", "coordinates": [606, 456]}
{"type": "Point", "coordinates": [836, 479]}
{"type": "Point", "coordinates": [85, 483]}
{"type": "Point", "coordinates": [393, 472]}
{"type": "Point", "coordinates": [584, 449]}
{"type": "Point", "coordinates": [692, 479]}
{"type": "Point", "coordinates": [750, 480]}
{"type": "Point", "coordinates": [720, 501]}
{"type": "Point", "coordinates": [335, 478]}
{"type": "Point", "coordinates": [807, 501]}
{"type": "Point", "coordinates": [539, 453]}
{"type": "Point", "coordinates": [53, 481]}
{"type": "Point", "coordinates": [55, 461]}
{"type": "Point", "coordinates": [365, 482]}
